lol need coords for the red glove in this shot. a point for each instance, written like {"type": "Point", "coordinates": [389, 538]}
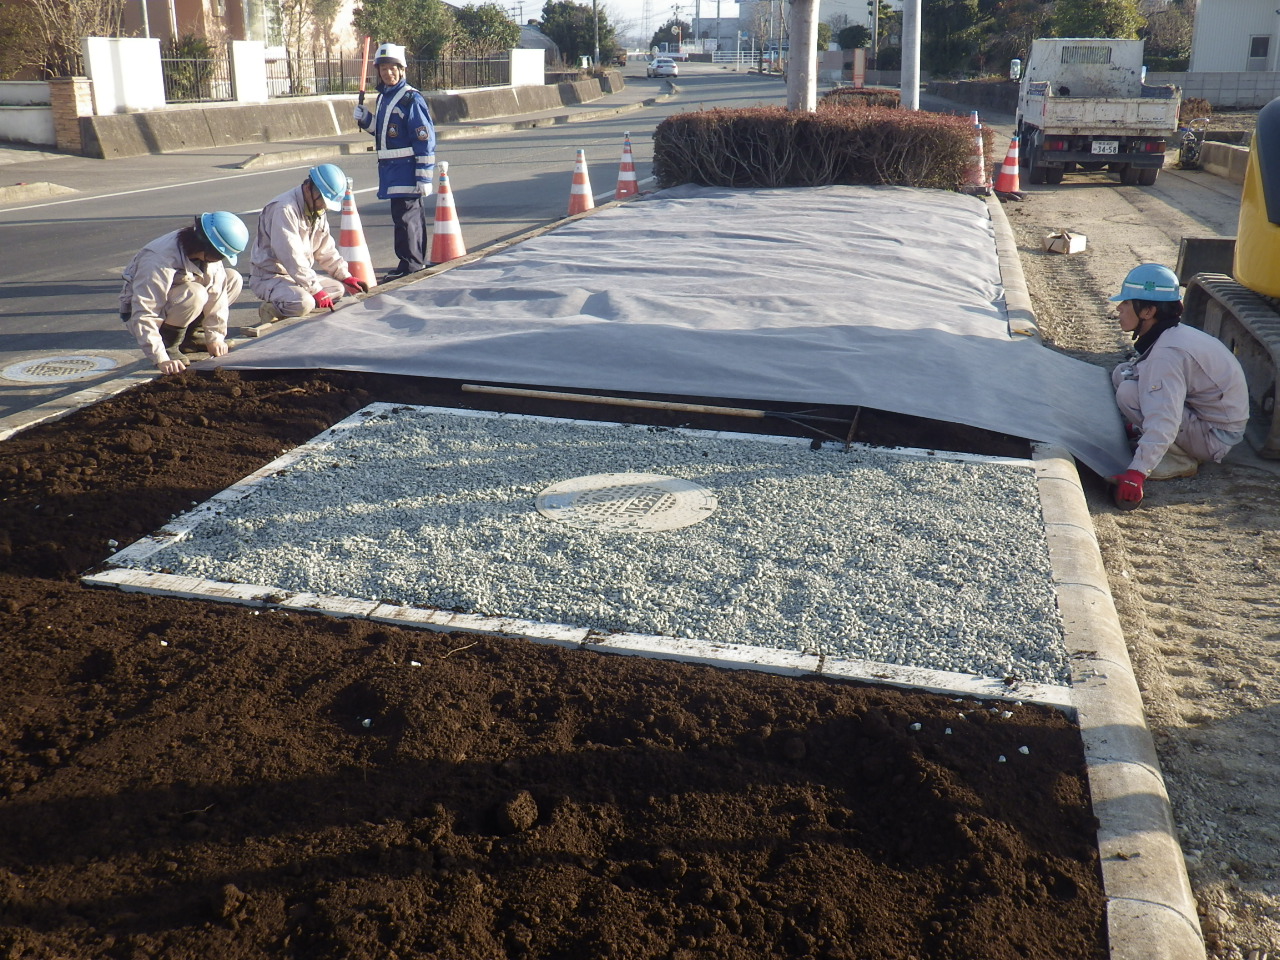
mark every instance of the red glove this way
{"type": "Point", "coordinates": [355, 286]}
{"type": "Point", "coordinates": [323, 300]}
{"type": "Point", "coordinates": [1129, 489]}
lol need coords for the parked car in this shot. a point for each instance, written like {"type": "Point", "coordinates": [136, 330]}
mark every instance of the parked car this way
{"type": "Point", "coordinates": [662, 67]}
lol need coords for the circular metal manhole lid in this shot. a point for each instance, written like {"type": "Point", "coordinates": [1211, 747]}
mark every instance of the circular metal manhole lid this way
{"type": "Point", "coordinates": [626, 501]}
{"type": "Point", "coordinates": [57, 369]}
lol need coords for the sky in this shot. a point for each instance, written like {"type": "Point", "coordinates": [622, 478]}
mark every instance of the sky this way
{"type": "Point", "coordinates": [630, 14]}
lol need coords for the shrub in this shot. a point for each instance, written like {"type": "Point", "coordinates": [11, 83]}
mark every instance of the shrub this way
{"type": "Point", "coordinates": [866, 96]}
{"type": "Point", "coordinates": [1193, 108]}
{"type": "Point", "coordinates": [774, 147]}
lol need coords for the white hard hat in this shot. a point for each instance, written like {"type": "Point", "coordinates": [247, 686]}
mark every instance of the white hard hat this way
{"type": "Point", "coordinates": [390, 53]}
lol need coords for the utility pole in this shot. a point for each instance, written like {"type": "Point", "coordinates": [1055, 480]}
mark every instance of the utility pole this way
{"type": "Point", "coordinates": [875, 31]}
{"type": "Point", "coordinates": [909, 85]}
{"type": "Point", "coordinates": [595, 18]}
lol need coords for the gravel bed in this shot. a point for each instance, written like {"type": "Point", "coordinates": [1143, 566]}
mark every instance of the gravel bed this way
{"type": "Point", "coordinates": [865, 554]}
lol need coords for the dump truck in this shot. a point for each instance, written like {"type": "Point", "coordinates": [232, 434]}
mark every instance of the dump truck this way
{"type": "Point", "coordinates": [1242, 308]}
{"type": "Point", "coordinates": [1083, 105]}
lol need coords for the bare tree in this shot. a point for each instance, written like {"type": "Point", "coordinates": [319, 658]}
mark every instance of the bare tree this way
{"type": "Point", "coordinates": [58, 26]}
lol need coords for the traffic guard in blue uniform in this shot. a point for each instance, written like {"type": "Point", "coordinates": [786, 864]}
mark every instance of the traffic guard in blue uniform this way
{"type": "Point", "coordinates": [405, 139]}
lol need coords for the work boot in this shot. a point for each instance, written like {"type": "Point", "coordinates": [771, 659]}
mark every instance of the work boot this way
{"type": "Point", "coordinates": [190, 343]}
{"type": "Point", "coordinates": [1175, 463]}
{"type": "Point", "coordinates": [171, 336]}
{"type": "Point", "coordinates": [267, 312]}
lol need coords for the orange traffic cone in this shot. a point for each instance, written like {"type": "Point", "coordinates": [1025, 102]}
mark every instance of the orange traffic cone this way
{"type": "Point", "coordinates": [351, 245]}
{"type": "Point", "coordinates": [580, 198]}
{"type": "Point", "coordinates": [627, 185]}
{"type": "Point", "coordinates": [975, 175]}
{"type": "Point", "coordinates": [1007, 182]}
{"type": "Point", "coordinates": [446, 237]}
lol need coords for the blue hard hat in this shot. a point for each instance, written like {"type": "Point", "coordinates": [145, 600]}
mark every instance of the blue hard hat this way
{"type": "Point", "coordinates": [332, 184]}
{"type": "Point", "coordinates": [225, 232]}
{"type": "Point", "coordinates": [1149, 281]}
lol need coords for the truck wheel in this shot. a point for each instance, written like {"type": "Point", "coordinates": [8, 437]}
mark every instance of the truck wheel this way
{"type": "Point", "coordinates": [1147, 176]}
{"type": "Point", "coordinates": [1129, 175]}
{"type": "Point", "coordinates": [1053, 174]}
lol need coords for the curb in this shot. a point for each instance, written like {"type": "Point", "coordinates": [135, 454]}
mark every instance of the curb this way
{"type": "Point", "coordinates": [1151, 911]}
{"type": "Point", "coordinates": [33, 191]}
{"type": "Point", "coordinates": [1022, 317]}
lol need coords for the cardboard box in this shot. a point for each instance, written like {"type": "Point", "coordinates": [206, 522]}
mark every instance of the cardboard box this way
{"type": "Point", "coordinates": [1064, 242]}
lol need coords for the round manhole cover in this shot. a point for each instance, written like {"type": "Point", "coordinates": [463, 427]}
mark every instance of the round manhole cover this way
{"type": "Point", "coordinates": [57, 369]}
{"type": "Point", "coordinates": [626, 501]}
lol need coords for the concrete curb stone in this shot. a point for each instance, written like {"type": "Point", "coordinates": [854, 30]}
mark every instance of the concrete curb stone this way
{"type": "Point", "coordinates": [1151, 911]}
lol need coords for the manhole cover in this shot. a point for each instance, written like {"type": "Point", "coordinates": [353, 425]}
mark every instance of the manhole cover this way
{"type": "Point", "coordinates": [57, 369]}
{"type": "Point", "coordinates": [626, 501]}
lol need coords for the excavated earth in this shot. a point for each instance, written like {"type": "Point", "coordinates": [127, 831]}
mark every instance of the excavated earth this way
{"type": "Point", "coordinates": [184, 779]}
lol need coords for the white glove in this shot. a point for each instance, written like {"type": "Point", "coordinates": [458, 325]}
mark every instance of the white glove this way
{"type": "Point", "coordinates": [361, 113]}
{"type": "Point", "coordinates": [424, 188]}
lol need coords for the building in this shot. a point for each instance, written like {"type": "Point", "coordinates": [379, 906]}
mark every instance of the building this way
{"type": "Point", "coordinates": [1235, 36]}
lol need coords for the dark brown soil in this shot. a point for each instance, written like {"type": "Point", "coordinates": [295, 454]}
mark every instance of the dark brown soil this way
{"type": "Point", "coordinates": [188, 780]}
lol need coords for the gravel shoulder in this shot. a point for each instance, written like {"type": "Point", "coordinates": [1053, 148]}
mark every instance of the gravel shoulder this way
{"type": "Point", "coordinates": [1192, 571]}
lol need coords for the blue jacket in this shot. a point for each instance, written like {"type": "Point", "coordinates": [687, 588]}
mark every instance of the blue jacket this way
{"type": "Point", "coordinates": [405, 140]}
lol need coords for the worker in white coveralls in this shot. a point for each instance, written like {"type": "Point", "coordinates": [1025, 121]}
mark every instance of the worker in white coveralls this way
{"type": "Point", "coordinates": [1183, 393]}
{"type": "Point", "coordinates": [294, 243]}
{"type": "Point", "coordinates": [178, 279]}
{"type": "Point", "coordinates": [405, 141]}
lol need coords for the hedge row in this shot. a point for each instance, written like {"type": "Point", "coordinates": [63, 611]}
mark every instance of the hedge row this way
{"type": "Point", "coordinates": [860, 96]}
{"type": "Point", "coordinates": [775, 147]}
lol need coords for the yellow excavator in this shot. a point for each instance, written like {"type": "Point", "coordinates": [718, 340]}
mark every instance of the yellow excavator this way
{"type": "Point", "coordinates": [1243, 309]}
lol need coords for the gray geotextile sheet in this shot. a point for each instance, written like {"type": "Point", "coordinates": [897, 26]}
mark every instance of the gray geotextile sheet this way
{"type": "Point", "coordinates": [884, 297]}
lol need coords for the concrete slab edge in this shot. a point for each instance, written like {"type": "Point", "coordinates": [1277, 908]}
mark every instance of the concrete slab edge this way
{"type": "Point", "coordinates": [1151, 912]}
{"type": "Point", "coordinates": [1017, 298]}
{"type": "Point", "coordinates": [39, 190]}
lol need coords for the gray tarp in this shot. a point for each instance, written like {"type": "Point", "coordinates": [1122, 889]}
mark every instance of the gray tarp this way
{"type": "Point", "coordinates": [884, 297]}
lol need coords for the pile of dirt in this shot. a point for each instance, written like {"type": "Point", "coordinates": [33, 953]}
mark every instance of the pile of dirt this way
{"type": "Point", "coordinates": [184, 779]}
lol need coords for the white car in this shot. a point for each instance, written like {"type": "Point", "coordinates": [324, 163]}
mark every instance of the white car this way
{"type": "Point", "coordinates": [662, 67]}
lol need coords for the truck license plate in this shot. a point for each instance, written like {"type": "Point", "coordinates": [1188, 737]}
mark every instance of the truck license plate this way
{"type": "Point", "coordinates": [1106, 146]}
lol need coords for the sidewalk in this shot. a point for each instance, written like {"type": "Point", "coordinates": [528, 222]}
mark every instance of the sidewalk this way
{"type": "Point", "coordinates": [30, 175]}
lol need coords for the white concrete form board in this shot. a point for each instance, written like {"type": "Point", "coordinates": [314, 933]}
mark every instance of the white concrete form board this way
{"type": "Point", "coordinates": [1151, 909]}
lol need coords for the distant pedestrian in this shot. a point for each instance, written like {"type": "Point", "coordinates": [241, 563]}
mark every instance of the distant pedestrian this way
{"type": "Point", "coordinates": [178, 279]}
{"type": "Point", "coordinates": [294, 243]}
{"type": "Point", "coordinates": [405, 140]}
{"type": "Point", "coordinates": [1183, 394]}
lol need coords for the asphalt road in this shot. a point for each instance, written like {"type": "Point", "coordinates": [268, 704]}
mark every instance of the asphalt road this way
{"type": "Point", "coordinates": [61, 257]}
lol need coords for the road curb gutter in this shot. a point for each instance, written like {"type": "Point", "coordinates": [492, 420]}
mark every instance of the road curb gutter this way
{"type": "Point", "coordinates": [1151, 911]}
{"type": "Point", "coordinates": [1017, 299]}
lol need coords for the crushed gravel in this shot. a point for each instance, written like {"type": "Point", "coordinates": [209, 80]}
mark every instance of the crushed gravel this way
{"type": "Point", "coordinates": [870, 554]}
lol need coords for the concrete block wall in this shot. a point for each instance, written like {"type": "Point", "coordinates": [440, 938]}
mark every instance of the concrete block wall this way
{"type": "Point", "coordinates": [1225, 160]}
{"type": "Point", "coordinates": [1225, 90]}
{"type": "Point", "coordinates": [26, 115]}
{"type": "Point", "coordinates": [998, 96]}
{"type": "Point", "coordinates": [216, 125]}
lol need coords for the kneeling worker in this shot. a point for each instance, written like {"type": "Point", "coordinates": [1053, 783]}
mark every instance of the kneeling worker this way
{"type": "Point", "coordinates": [1183, 396]}
{"type": "Point", "coordinates": [293, 242]}
{"type": "Point", "coordinates": [180, 278]}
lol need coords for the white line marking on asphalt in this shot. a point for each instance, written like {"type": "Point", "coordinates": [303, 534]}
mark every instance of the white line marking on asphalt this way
{"type": "Point", "coordinates": [167, 186]}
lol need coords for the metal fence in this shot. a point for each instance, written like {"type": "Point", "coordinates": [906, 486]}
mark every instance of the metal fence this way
{"type": "Point", "coordinates": [306, 76]}
{"type": "Point", "coordinates": [432, 75]}
{"type": "Point", "coordinates": [204, 80]}
{"type": "Point", "coordinates": [302, 77]}
{"type": "Point", "coordinates": [190, 80]}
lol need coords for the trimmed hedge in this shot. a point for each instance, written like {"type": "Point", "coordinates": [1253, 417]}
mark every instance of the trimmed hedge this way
{"type": "Point", "coordinates": [775, 147]}
{"type": "Point", "coordinates": [860, 96]}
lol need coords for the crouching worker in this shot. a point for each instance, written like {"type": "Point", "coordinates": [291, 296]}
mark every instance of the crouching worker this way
{"type": "Point", "coordinates": [294, 243]}
{"type": "Point", "coordinates": [1183, 394]}
{"type": "Point", "coordinates": [178, 279]}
